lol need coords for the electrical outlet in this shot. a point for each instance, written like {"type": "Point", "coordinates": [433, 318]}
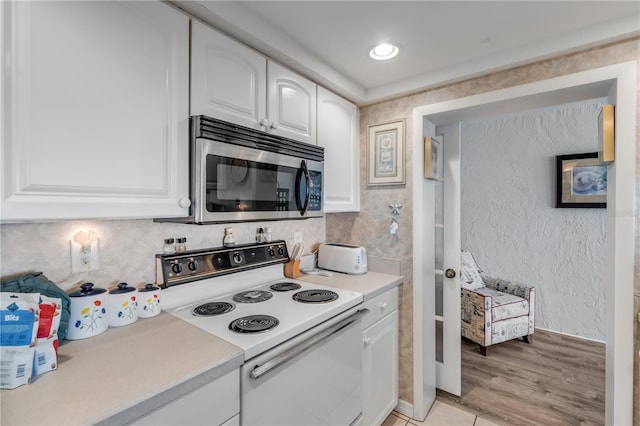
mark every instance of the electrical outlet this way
{"type": "Point", "coordinates": [297, 237]}
{"type": "Point", "coordinates": [84, 262]}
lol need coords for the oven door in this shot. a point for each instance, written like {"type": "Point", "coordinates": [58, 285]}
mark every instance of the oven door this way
{"type": "Point", "coordinates": [237, 183]}
{"type": "Point", "coordinates": [312, 379]}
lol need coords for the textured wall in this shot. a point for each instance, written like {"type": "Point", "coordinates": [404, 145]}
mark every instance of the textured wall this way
{"type": "Point", "coordinates": [127, 247]}
{"type": "Point", "coordinates": [510, 223]}
{"type": "Point", "coordinates": [369, 227]}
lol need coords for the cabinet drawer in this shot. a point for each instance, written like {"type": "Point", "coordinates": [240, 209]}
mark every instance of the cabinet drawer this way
{"type": "Point", "coordinates": [212, 404]}
{"type": "Point", "coordinates": [380, 306]}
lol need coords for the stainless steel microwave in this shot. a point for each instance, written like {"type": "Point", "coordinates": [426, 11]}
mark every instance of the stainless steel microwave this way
{"type": "Point", "coordinates": [240, 174]}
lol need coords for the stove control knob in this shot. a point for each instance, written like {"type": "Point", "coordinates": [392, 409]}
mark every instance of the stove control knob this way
{"type": "Point", "coordinates": [193, 265]}
{"type": "Point", "coordinates": [271, 252]}
{"type": "Point", "coordinates": [281, 251]}
{"type": "Point", "coordinates": [176, 268]}
{"type": "Point", "coordinates": [237, 257]}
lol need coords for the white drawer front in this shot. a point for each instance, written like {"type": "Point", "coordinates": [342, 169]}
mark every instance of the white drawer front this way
{"type": "Point", "coordinates": [380, 306]}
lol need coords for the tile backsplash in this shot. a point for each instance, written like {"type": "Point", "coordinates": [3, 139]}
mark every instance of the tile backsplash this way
{"type": "Point", "coordinates": [127, 248]}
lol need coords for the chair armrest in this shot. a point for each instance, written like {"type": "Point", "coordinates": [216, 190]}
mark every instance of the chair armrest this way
{"type": "Point", "coordinates": [505, 286]}
{"type": "Point", "coordinates": [476, 323]}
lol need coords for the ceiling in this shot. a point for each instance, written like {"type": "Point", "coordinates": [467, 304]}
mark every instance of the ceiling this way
{"type": "Point", "coordinates": [440, 41]}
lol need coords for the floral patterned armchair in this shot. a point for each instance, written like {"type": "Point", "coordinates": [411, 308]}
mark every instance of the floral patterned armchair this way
{"type": "Point", "coordinates": [494, 310]}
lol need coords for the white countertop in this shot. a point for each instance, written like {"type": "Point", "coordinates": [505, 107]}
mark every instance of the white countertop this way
{"type": "Point", "coordinates": [370, 284]}
{"type": "Point", "coordinates": [121, 374]}
{"type": "Point", "coordinates": [126, 372]}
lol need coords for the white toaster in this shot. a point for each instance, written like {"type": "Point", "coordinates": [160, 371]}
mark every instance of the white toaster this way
{"type": "Point", "coordinates": [343, 258]}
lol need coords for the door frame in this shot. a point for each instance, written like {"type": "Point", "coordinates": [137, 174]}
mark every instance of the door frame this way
{"type": "Point", "coordinates": [618, 83]}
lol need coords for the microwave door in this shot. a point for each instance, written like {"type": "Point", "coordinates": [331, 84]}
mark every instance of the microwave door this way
{"type": "Point", "coordinates": [302, 188]}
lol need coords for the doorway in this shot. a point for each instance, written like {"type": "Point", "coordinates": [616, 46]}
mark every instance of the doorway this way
{"type": "Point", "coordinates": [618, 84]}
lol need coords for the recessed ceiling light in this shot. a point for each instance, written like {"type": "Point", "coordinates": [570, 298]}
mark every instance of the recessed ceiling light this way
{"type": "Point", "coordinates": [384, 51]}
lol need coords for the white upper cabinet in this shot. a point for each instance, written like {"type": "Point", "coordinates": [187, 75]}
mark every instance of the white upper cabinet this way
{"type": "Point", "coordinates": [228, 80]}
{"type": "Point", "coordinates": [94, 110]}
{"type": "Point", "coordinates": [291, 104]}
{"type": "Point", "coordinates": [338, 134]}
{"type": "Point", "coordinates": [231, 82]}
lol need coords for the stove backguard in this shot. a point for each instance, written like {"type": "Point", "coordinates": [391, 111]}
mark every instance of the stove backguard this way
{"type": "Point", "coordinates": [189, 266]}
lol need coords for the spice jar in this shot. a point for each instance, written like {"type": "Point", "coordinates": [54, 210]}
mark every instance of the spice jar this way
{"type": "Point", "coordinates": [169, 246]}
{"type": "Point", "coordinates": [181, 245]}
{"type": "Point", "coordinates": [228, 239]}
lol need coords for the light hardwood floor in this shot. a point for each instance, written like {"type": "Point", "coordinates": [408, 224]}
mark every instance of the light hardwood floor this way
{"type": "Point", "coordinates": [556, 380]}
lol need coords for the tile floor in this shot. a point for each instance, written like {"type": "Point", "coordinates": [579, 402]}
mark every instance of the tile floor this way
{"type": "Point", "coordinates": [441, 414]}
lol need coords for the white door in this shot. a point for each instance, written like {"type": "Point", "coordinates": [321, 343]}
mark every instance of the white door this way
{"type": "Point", "coordinates": [447, 262]}
{"type": "Point", "coordinates": [228, 80]}
{"type": "Point", "coordinates": [436, 248]}
{"type": "Point", "coordinates": [291, 104]}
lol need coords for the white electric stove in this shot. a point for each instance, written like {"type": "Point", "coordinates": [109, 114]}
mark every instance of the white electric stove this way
{"type": "Point", "coordinates": [302, 342]}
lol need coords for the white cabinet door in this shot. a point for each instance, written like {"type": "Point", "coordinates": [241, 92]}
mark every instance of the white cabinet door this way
{"type": "Point", "coordinates": [228, 80]}
{"type": "Point", "coordinates": [94, 110]}
{"type": "Point", "coordinates": [380, 357]}
{"type": "Point", "coordinates": [338, 134]}
{"type": "Point", "coordinates": [216, 403]}
{"type": "Point", "coordinates": [380, 365]}
{"type": "Point", "coordinates": [291, 104]}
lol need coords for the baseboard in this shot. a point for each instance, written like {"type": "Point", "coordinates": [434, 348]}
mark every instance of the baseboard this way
{"type": "Point", "coordinates": [405, 408]}
{"type": "Point", "coordinates": [570, 335]}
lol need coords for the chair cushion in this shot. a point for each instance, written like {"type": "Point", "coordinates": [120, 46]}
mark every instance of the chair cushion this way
{"type": "Point", "coordinates": [470, 278]}
{"type": "Point", "coordinates": [505, 305]}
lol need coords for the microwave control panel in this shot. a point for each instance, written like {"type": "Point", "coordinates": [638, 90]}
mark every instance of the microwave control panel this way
{"type": "Point", "coordinates": [315, 191]}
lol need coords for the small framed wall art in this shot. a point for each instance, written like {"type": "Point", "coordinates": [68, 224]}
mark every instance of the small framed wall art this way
{"type": "Point", "coordinates": [385, 152]}
{"type": "Point", "coordinates": [581, 181]}
{"type": "Point", "coordinates": [606, 134]}
{"type": "Point", "coordinates": [431, 158]}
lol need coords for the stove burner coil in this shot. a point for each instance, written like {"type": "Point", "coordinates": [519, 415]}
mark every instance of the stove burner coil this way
{"type": "Point", "coordinates": [252, 296]}
{"type": "Point", "coordinates": [254, 324]}
{"type": "Point", "coordinates": [212, 308]}
{"type": "Point", "coordinates": [285, 286]}
{"type": "Point", "coordinates": [315, 296]}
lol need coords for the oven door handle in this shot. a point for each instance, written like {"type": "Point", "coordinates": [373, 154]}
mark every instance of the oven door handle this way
{"type": "Point", "coordinates": [260, 370]}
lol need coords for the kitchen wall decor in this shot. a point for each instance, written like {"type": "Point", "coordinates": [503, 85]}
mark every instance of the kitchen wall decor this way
{"type": "Point", "coordinates": [606, 134]}
{"type": "Point", "coordinates": [385, 164]}
{"type": "Point", "coordinates": [581, 181]}
{"type": "Point", "coordinates": [431, 158]}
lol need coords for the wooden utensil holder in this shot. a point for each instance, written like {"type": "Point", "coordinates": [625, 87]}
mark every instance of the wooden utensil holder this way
{"type": "Point", "coordinates": [292, 269]}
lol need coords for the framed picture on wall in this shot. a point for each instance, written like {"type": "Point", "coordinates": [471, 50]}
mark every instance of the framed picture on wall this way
{"type": "Point", "coordinates": [431, 158]}
{"type": "Point", "coordinates": [581, 181]}
{"type": "Point", "coordinates": [385, 154]}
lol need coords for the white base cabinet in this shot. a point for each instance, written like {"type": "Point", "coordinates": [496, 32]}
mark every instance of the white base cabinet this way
{"type": "Point", "coordinates": [338, 134]}
{"type": "Point", "coordinates": [216, 403]}
{"type": "Point", "coordinates": [380, 359]}
{"type": "Point", "coordinates": [94, 106]}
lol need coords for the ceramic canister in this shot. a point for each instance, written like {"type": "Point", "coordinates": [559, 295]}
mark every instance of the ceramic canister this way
{"type": "Point", "coordinates": [149, 301]}
{"type": "Point", "coordinates": [122, 305]}
{"type": "Point", "coordinates": [88, 312]}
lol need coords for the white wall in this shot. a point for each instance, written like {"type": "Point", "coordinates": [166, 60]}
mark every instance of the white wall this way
{"type": "Point", "coordinates": [509, 219]}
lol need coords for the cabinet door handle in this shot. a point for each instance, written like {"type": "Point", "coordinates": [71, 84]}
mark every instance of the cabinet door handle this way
{"type": "Point", "coordinates": [264, 123]}
{"type": "Point", "coordinates": [184, 202]}
{"type": "Point", "coordinates": [367, 341]}
{"type": "Point", "coordinates": [274, 125]}
{"type": "Point", "coordinates": [383, 307]}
